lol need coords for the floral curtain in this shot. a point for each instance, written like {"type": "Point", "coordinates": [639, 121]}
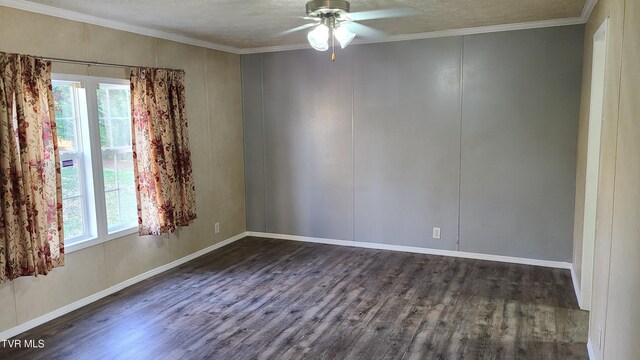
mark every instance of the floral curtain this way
{"type": "Point", "coordinates": [31, 237]}
{"type": "Point", "coordinates": [164, 179]}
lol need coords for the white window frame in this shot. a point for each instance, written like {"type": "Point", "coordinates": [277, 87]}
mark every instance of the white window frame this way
{"type": "Point", "coordinates": [81, 159]}
{"type": "Point", "coordinates": [96, 226]}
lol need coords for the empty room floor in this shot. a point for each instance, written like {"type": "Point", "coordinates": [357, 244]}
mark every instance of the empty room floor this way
{"type": "Point", "coordinates": [277, 299]}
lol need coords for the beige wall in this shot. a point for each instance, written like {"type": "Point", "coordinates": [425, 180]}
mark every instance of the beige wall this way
{"type": "Point", "coordinates": [616, 287]}
{"type": "Point", "coordinates": [214, 107]}
{"type": "Point", "coordinates": [622, 340]}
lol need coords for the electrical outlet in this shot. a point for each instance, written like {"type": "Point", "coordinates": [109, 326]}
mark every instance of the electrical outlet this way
{"type": "Point", "coordinates": [217, 228]}
{"type": "Point", "coordinates": [436, 233]}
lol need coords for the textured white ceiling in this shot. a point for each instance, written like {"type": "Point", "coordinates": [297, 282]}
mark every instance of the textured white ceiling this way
{"type": "Point", "coordinates": [257, 23]}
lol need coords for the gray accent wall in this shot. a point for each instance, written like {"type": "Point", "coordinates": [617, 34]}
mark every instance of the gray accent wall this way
{"type": "Point", "coordinates": [519, 142]}
{"type": "Point", "coordinates": [253, 141]}
{"type": "Point", "coordinates": [307, 142]}
{"type": "Point", "coordinates": [473, 134]}
{"type": "Point", "coordinates": [407, 142]}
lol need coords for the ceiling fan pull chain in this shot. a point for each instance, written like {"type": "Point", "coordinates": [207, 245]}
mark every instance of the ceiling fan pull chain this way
{"type": "Point", "coordinates": [333, 47]}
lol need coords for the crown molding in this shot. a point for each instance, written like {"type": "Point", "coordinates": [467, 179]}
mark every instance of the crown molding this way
{"type": "Point", "coordinates": [587, 9]}
{"type": "Point", "coordinates": [94, 20]}
{"type": "Point", "coordinates": [112, 24]}
{"type": "Point", "coordinates": [432, 34]}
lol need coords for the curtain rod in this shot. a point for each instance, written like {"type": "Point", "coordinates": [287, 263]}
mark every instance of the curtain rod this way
{"type": "Point", "coordinates": [97, 63]}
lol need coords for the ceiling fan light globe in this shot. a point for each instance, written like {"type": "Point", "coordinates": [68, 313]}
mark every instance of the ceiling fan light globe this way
{"type": "Point", "coordinates": [319, 38]}
{"type": "Point", "coordinates": [343, 36]}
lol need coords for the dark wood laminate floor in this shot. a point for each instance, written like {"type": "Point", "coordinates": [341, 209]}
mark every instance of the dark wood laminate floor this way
{"type": "Point", "coordinates": [275, 299]}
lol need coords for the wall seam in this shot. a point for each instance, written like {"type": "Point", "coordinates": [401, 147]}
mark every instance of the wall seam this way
{"type": "Point", "coordinates": [264, 145]}
{"type": "Point", "coordinates": [244, 148]}
{"type": "Point", "coordinates": [353, 157]}
{"type": "Point", "coordinates": [460, 141]}
{"type": "Point", "coordinates": [85, 30]}
{"type": "Point", "coordinates": [106, 270]}
{"type": "Point", "coordinates": [206, 92]}
{"type": "Point", "coordinates": [15, 300]}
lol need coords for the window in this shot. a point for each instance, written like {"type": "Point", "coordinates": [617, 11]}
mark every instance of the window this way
{"type": "Point", "coordinates": [114, 117]}
{"type": "Point", "coordinates": [94, 136]}
{"type": "Point", "coordinates": [68, 123]}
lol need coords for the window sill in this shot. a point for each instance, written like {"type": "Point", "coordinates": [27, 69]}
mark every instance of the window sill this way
{"type": "Point", "coordinates": [83, 244]}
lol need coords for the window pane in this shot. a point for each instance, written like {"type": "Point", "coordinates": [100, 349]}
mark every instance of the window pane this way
{"type": "Point", "coordinates": [64, 105]}
{"type": "Point", "coordinates": [117, 160]}
{"type": "Point", "coordinates": [119, 189]}
{"type": "Point", "coordinates": [70, 178]}
{"type": "Point", "coordinates": [63, 100]}
{"type": "Point", "coordinates": [114, 116]}
{"type": "Point", "coordinates": [119, 101]}
{"type": "Point", "coordinates": [126, 179]}
{"type": "Point", "coordinates": [113, 208]}
{"type": "Point", "coordinates": [125, 170]}
{"type": "Point", "coordinates": [73, 216]}
{"type": "Point", "coordinates": [128, 205]}
{"type": "Point", "coordinates": [121, 133]}
{"type": "Point", "coordinates": [103, 117]}
{"type": "Point", "coordinates": [109, 170]}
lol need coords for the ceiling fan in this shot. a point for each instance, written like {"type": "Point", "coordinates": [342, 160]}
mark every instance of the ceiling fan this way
{"type": "Point", "coordinates": [332, 20]}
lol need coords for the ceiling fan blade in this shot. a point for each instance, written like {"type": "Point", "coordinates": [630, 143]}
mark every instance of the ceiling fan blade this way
{"type": "Point", "coordinates": [381, 14]}
{"type": "Point", "coordinates": [298, 28]}
{"type": "Point", "coordinates": [365, 31]}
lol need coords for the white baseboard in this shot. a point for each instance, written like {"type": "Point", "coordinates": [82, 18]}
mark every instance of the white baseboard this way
{"type": "Point", "coordinates": [414, 249]}
{"type": "Point", "coordinates": [106, 292]}
{"type": "Point", "coordinates": [576, 287]}
{"type": "Point", "coordinates": [592, 355]}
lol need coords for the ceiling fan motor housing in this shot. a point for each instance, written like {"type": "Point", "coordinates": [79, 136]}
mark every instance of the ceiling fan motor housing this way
{"type": "Point", "coordinates": [328, 8]}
